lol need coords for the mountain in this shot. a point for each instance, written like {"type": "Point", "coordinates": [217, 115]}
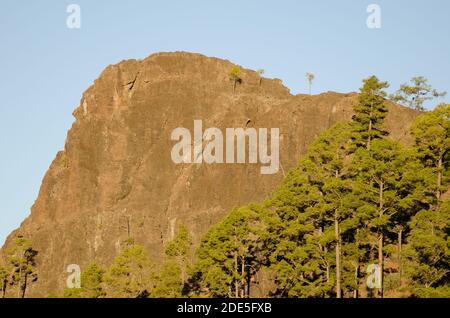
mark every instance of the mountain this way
{"type": "Point", "coordinates": [116, 178]}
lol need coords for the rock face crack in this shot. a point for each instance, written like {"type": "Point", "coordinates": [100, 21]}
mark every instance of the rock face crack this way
{"type": "Point", "coordinates": [131, 83]}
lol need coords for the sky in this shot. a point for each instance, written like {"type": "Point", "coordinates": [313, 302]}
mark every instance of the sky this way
{"type": "Point", "coordinates": [45, 66]}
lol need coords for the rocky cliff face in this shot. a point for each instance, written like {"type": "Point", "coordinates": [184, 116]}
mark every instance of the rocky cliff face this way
{"type": "Point", "coordinates": [115, 178]}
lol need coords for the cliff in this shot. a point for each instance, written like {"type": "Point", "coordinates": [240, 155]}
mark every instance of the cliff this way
{"type": "Point", "coordinates": [115, 177]}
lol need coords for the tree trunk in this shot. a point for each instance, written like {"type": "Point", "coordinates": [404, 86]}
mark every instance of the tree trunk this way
{"type": "Point", "coordinates": [20, 282]}
{"type": "Point", "coordinates": [380, 241]}
{"type": "Point", "coordinates": [369, 138]}
{"type": "Point", "coordinates": [24, 287]}
{"type": "Point", "coordinates": [236, 282]}
{"type": "Point", "coordinates": [338, 256]}
{"type": "Point", "coordinates": [182, 263]}
{"type": "Point", "coordinates": [128, 228]}
{"type": "Point", "coordinates": [356, 291]}
{"type": "Point", "coordinates": [439, 178]}
{"type": "Point", "coordinates": [399, 260]}
{"type": "Point", "coordinates": [243, 277]}
{"type": "Point", "coordinates": [325, 251]}
{"type": "Point", "coordinates": [249, 280]}
{"type": "Point", "coordinates": [380, 262]}
{"type": "Point", "coordinates": [328, 271]}
{"type": "Point", "coordinates": [4, 288]}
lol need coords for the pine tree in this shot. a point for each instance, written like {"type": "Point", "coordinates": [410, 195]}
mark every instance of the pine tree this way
{"type": "Point", "coordinates": [235, 76]}
{"type": "Point", "coordinates": [169, 283]}
{"type": "Point", "coordinates": [330, 154]}
{"type": "Point", "coordinates": [4, 279]}
{"type": "Point", "coordinates": [91, 284]}
{"type": "Point", "coordinates": [432, 137]}
{"type": "Point", "coordinates": [180, 250]}
{"type": "Point", "coordinates": [227, 256]}
{"type": "Point", "coordinates": [173, 275]}
{"type": "Point", "coordinates": [22, 258]}
{"type": "Point", "coordinates": [414, 96]}
{"type": "Point", "coordinates": [370, 112]}
{"type": "Point", "coordinates": [380, 172]}
{"type": "Point", "coordinates": [428, 252]}
{"type": "Point", "coordinates": [131, 274]}
{"type": "Point", "coordinates": [311, 205]}
{"type": "Point", "coordinates": [310, 77]}
{"type": "Point", "coordinates": [260, 73]}
{"type": "Point", "coordinates": [296, 257]}
{"type": "Point", "coordinates": [415, 193]}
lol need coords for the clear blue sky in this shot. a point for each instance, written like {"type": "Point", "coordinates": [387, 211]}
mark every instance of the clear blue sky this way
{"type": "Point", "coordinates": [45, 67]}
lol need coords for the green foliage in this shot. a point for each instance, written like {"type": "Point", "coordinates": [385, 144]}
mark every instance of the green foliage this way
{"type": "Point", "coordinates": [428, 252]}
{"type": "Point", "coordinates": [91, 284]}
{"type": "Point", "coordinates": [380, 173]}
{"type": "Point", "coordinates": [235, 72]}
{"type": "Point", "coordinates": [370, 112]}
{"type": "Point", "coordinates": [235, 76]}
{"type": "Point", "coordinates": [415, 95]}
{"type": "Point", "coordinates": [313, 197]}
{"type": "Point", "coordinates": [4, 279]}
{"type": "Point", "coordinates": [229, 253]}
{"type": "Point", "coordinates": [181, 244]}
{"type": "Point", "coordinates": [169, 283]}
{"type": "Point", "coordinates": [173, 275]}
{"type": "Point", "coordinates": [131, 275]}
{"type": "Point", "coordinates": [64, 159]}
{"type": "Point", "coordinates": [22, 260]}
{"type": "Point", "coordinates": [432, 136]}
